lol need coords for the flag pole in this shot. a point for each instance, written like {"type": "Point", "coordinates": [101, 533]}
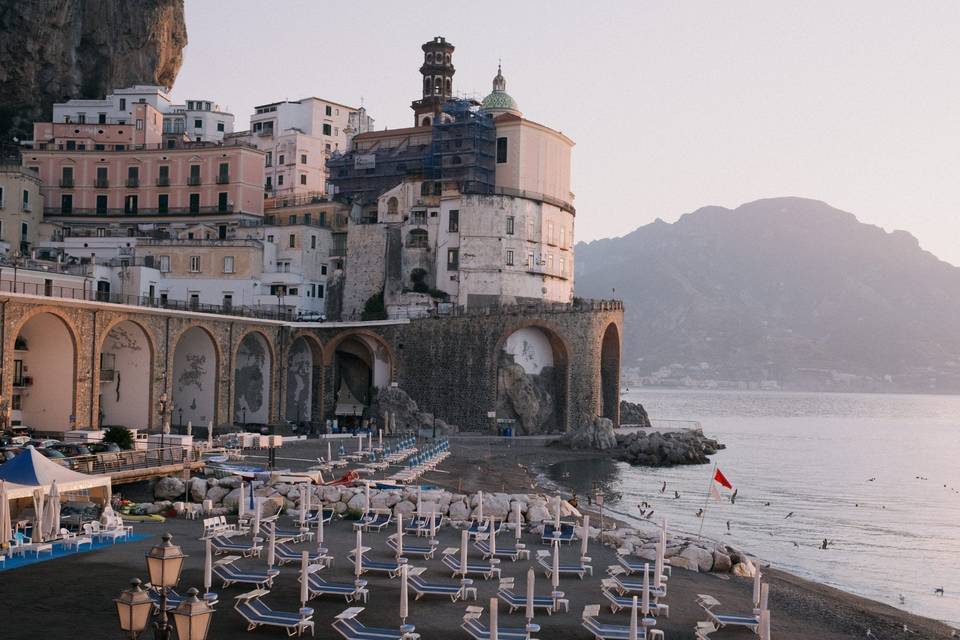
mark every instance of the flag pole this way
{"type": "Point", "coordinates": [703, 516]}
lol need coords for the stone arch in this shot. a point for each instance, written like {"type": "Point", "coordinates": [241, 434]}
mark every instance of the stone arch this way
{"type": "Point", "coordinates": [609, 374]}
{"type": "Point", "coordinates": [44, 374]}
{"type": "Point", "coordinates": [303, 396]}
{"type": "Point", "coordinates": [532, 377]}
{"type": "Point", "coordinates": [360, 361]}
{"type": "Point", "coordinates": [125, 374]}
{"type": "Point", "coordinates": [196, 376]}
{"type": "Point", "coordinates": [253, 379]}
{"type": "Point", "coordinates": [418, 239]}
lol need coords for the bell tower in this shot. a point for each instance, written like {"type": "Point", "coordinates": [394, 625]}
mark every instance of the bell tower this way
{"type": "Point", "coordinates": [437, 81]}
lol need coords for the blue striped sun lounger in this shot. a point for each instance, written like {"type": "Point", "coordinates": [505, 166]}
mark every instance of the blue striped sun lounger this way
{"type": "Point", "coordinates": [636, 566]}
{"type": "Point", "coordinates": [488, 570]}
{"type": "Point", "coordinates": [579, 570]}
{"type": "Point", "coordinates": [389, 567]}
{"type": "Point", "coordinates": [374, 520]}
{"type": "Point", "coordinates": [423, 588]}
{"type": "Point", "coordinates": [354, 591]}
{"type": "Point", "coordinates": [605, 631]}
{"type": "Point", "coordinates": [230, 574]}
{"type": "Point", "coordinates": [222, 544]}
{"type": "Point", "coordinates": [257, 614]}
{"type": "Point", "coordinates": [506, 551]}
{"type": "Point", "coordinates": [625, 585]}
{"type": "Point", "coordinates": [347, 625]}
{"type": "Point", "coordinates": [551, 533]}
{"type": "Point", "coordinates": [284, 554]}
{"type": "Point", "coordinates": [425, 551]}
{"type": "Point", "coordinates": [621, 602]}
{"type": "Point", "coordinates": [516, 601]}
{"type": "Point", "coordinates": [479, 631]}
{"type": "Point", "coordinates": [174, 599]}
{"type": "Point", "coordinates": [421, 524]}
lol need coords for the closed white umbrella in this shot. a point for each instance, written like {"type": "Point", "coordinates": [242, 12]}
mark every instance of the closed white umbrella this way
{"type": "Point", "coordinates": [585, 540]}
{"type": "Point", "coordinates": [765, 624]}
{"type": "Point", "coordinates": [38, 502]}
{"type": "Point", "coordinates": [480, 507]}
{"type": "Point", "coordinates": [304, 574]}
{"type": "Point", "coordinates": [320, 528]}
{"type": "Point", "coordinates": [633, 619]}
{"type": "Point", "coordinates": [329, 452]}
{"type": "Point", "coordinates": [556, 516]}
{"type": "Point", "coordinates": [645, 604]}
{"type": "Point", "coordinates": [419, 501]}
{"type": "Point", "coordinates": [303, 504]}
{"type": "Point", "coordinates": [764, 596]}
{"type": "Point", "coordinates": [359, 443]}
{"type": "Point", "coordinates": [272, 547]}
{"type": "Point", "coordinates": [6, 529]}
{"type": "Point", "coordinates": [242, 502]}
{"type": "Point", "coordinates": [433, 522]}
{"type": "Point", "coordinates": [256, 515]}
{"type": "Point", "coordinates": [519, 521]}
{"type": "Point", "coordinates": [404, 604]}
{"type": "Point", "coordinates": [399, 536]}
{"type": "Point", "coordinates": [463, 552]}
{"type": "Point", "coordinates": [555, 578]}
{"type": "Point", "coordinates": [308, 499]}
{"type": "Point", "coordinates": [358, 555]}
{"type": "Point", "coordinates": [208, 566]}
{"type": "Point", "coordinates": [658, 567]}
{"type": "Point", "coordinates": [756, 586]}
{"type": "Point", "coordinates": [531, 581]}
{"type": "Point", "coordinates": [379, 438]}
{"type": "Point", "coordinates": [493, 537]}
{"type": "Point", "coordinates": [366, 498]}
{"type": "Point", "coordinates": [493, 619]}
{"type": "Point", "coordinates": [210, 435]}
{"type": "Point", "coordinates": [51, 513]}
{"type": "Point", "coordinates": [189, 427]}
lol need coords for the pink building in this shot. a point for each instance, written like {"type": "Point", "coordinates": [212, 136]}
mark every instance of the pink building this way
{"type": "Point", "coordinates": [133, 169]}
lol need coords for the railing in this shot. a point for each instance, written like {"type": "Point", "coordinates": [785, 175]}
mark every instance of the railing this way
{"type": "Point", "coordinates": [123, 212]}
{"type": "Point", "coordinates": [295, 200]}
{"type": "Point", "coordinates": [163, 181]}
{"type": "Point", "coordinates": [200, 242]}
{"type": "Point", "coordinates": [223, 179]}
{"type": "Point", "coordinates": [447, 310]}
{"type": "Point", "coordinates": [162, 146]}
{"type": "Point", "coordinates": [66, 183]}
{"type": "Point", "coordinates": [133, 182]}
{"type": "Point", "coordinates": [101, 183]}
{"type": "Point", "coordinates": [193, 180]}
{"type": "Point", "coordinates": [112, 462]}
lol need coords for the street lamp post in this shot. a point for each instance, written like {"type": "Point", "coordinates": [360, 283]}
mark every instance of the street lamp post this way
{"type": "Point", "coordinates": [166, 412]}
{"type": "Point", "coordinates": [181, 416]}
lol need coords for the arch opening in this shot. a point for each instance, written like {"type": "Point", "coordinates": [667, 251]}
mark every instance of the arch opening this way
{"type": "Point", "coordinates": [610, 375]}
{"type": "Point", "coordinates": [44, 375]}
{"type": "Point", "coordinates": [194, 378]}
{"type": "Point", "coordinates": [361, 365]}
{"type": "Point", "coordinates": [532, 382]}
{"type": "Point", "coordinates": [126, 360]}
{"type": "Point", "coordinates": [304, 373]}
{"type": "Point", "coordinates": [251, 401]}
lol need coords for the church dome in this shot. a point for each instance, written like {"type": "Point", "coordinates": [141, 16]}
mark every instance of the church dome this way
{"type": "Point", "coordinates": [499, 101]}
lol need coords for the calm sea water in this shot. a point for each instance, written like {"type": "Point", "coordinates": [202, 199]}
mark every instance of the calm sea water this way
{"type": "Point", "coordinates": [877, 475]}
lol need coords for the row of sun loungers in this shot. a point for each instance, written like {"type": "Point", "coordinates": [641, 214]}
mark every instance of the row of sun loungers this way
{"type": "Point", "coordinates": [374, 520]}
{"type": "Point", "coordinates": [489, 569]}
{"type": "Point", "coordinates": [347, 625]}
{"type": "Point", "coordinates": [257, 614]}
{"type": "Point", "coordinates": [425, 551]}
{"type": "Point", "coordinates": [606, 631]}
{"type": "Point", "coordinates": [247, 549]}
{"type": "Point", "coordinates": [477, 630]}
{"type": "Point", "coordinates": [422, 587]}
{"type": "Point", "coordinates": [514, 553]}
{"type": "Point", "coordinates": [218, 526]}
{"type": "Point", "coordinates": [225, 570]}
{"type": "Point", "coordinates": [545, 560]}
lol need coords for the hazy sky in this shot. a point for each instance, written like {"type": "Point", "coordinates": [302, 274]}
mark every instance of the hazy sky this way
{"type": "Point", "coordinates": [673, 105]}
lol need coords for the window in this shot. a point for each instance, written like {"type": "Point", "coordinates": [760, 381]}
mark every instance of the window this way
{"type": "Point", "coordinates": [228, 264]}
{"type": "Point", "coordinates": [327, 129]}
{"type": "Point", "coordinates": [227, 301]}
{"type": "Point", "coordinates": [194, 300]}
{"type": "Point", "coordinates": [139, 124]}
{"type": "Point", "coordinates": [303, 178]}
{"type": "Point", "coordinates": [130, 204]}
{"type": "Point", "coordinates": [123, 104]}
{"type": "Point", "coordinates": [194, 264]}
{"type": "Point", "coordinates": [163, 203]}
{"type": "Point", "coordinates": [101, 232]}
{"type": "Point", "coordinates": [550, 236]}
{"type": "Point", "coordinates": [501, 150]}
{"type": "Point", "coordinates": [319, 290]}
{"type": "Point", "coordinates": [82, 118]}
{"type": "Point", "coordinates": [164, 264]}
{"type": "Point", "coordinates": [292, 219]}
{"type": "Point", "coordinates": [563, 237]}
{"type": "Point", "coordinates": [223, 203]}
{"type": "Point", "coordinates": [549, 262]}
{"type": "Point", "coordinates": [530, 259]}
{"type": "Point", "coordinates": [270, 238]}
{"type": "Point", "coordinates": [303, 158]}
{"type": "Point", "coordinates": [269, 185]}
{"type": "Point", "coordinates": [26, 200]}
{"type": "Point", "coordinates": [1, 197]}
{"type": "Point", "coordinates": [530, 228]}
{"type": "Point", "coordinates": [220, 126]}
{"type": "Point", "coordinates": [268, 159]}
{"type": "Point", "coordinates": [280, 180]}
{"type": "Point", "coordinates": [163, 175]}
{"type": "Point", "coordinates": [133, 176]}
{"type": "Point", "coordinates": [66, 177]}
{"type": "Point", "coordinates": [509, 258]}
{"type": "Point", "coordinates": [194, 203]}
{"type": "Point", "coordinates": [313, 242]}
{"type": "Point", "coordinates": [293, 240]}
{"type": "Point", "coordinates": [328, 110]}
{"type": "Point", "coordinates": [101, 118]}
{"type": "Point", "coordinates": [418, 217]}
{"type": "Point", "coordinates": [293, 291]}
{"type": "Point", "coordinates": [281, 158]}
{"type": "Point", "coordinates": [510, 225]}
{"type": "Point", "coordinates": [103, 178]}
{"type": "Point", "coordinates": [453, 259]}
{"type": "Point", "coordinates": [197, 123]}
{"type": "Point", "coordinates": [66, 203]}
{"type": "Point", "coordinates": [101, 204]}
{"type": "Point", "coordinates": [563, 266]}
{"type": "Point", "coordinates": [224, 172]}
{"type": "Point", "coordinates": [194, 175]}
{"type": "Point", "coordinates": [454, 224]}
{"type": "Point", "coordinates": [418, 239]}
{"type": "Point", "coordinates": [323, 271]}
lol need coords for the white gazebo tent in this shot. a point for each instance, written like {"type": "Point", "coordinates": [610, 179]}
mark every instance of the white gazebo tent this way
{"type": "Point", "coordinates": [30, 471]}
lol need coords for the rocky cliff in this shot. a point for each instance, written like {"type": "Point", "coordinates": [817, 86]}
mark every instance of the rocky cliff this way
{"type": "Point", "coordinates": [52, 50]}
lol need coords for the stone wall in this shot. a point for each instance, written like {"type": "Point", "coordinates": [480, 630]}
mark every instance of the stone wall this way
{"type": "Point", "coordinates": [366, 246]}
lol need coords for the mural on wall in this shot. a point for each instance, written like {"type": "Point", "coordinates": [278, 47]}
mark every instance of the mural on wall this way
{"type": "Point", "coordinates": [299, 381]}
{"type": "Point", "coordinates": [125, 377]}
{"type": "Point", "coordinates": [252, 380]}
{"type": "Point", "coordinates": [194, 374]}
{"type": "Point", "coordinates": [195, 377]}
{"type": "Point", "coordinates": [529, 386]}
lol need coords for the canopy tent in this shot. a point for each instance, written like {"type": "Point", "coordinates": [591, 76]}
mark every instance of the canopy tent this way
{"type": "Point", "coordinates": [347, 403]}
{"type": "Point", "coordinates": [31, 470]}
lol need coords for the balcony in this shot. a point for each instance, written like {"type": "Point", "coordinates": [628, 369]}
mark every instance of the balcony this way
{"type": "Point", "coordinates": [101, 183]}
{"type": "Point", "coordinates": [66, 183]}
{"type": "Point", "coordinates": [193, 181]}
{"type": "Point", "coordinates": [133, 183]}
{"type": "Point", "coordinates": [140, 212]}
{"type": "Point", "coordinates": [163, 181]}
{"type": "Point", "coordinates": [223, 178]}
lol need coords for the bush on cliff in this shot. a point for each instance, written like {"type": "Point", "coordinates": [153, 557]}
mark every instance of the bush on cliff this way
{"type": "Point", "coordinates": [120, 436]}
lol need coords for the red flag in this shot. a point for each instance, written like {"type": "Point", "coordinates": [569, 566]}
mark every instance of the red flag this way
{"type": "Point", "coordinates": [722, 479]}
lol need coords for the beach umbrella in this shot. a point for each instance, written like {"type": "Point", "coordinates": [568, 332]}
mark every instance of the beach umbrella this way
{"type": "Point", "coordinates": [404, 600]}
{"type": "Point", "coordinates": [189, 427]}
{"type": "Point", "coordinates": [359, 443]}
{"type": "Point", "coordinates": [463, 552]}
{"type": "Point", "coordinates": [304, 563]}
{"type": "Point", "coordinates": [358, 555]}
{"type": "Point", "coordinates": [210, 435]}
{"type": "Point", "coordinates": [38, 501]}
{"type": "Point", "coordinates": [645, 603]}
{"type": "Point", "coordinates": [329, 452]}
{"type": "Point", "coordinates": [756, 586]}
{"type": "Point", "coordinates": [51, 514]}
{"type": "Point", "coordinates": [6, 530]}
{"type": "Point", "coordinates": [633, 620]}
{"type": "Point", "coordinates": [208, 566]}
{"type": "Point", "coordinates": [519, 522]}
{"type": "Point", "coordinates": [556, 516]}
{"type": "Point", "coordinates": [379, 438]}
{"type": "Point", "coordinates": [531, 578]}
{"type": "Point", "coordinates": [493, 619]}
{"type": "Point", "coordinates": [256, 516]}
{"type": "Point", "coordinates": [320, 529]}
{"type": "Point", "coordinates": [765, 624]}
{"type": "Point", "coordinates": [433, 522]}
{"type": "Point", "coordinates": [764, 596]}
{"type": "Point", "coordinates": [480, 507]}
{"type": "Point", "coordinates": [585, 540]}
{"type": "Point", "coordinates": [308, 500]}
{"type": "Point", "coordinates": [493, 537]}
{"type": "Point", "coordinates": [658, 567]}
{"type": "Point", "coordinates": [399, 535]}
{"type": "Point", "coordinates": [555, 578]}
{"type": "Point", "coordinates": [272, 547]}
{"type": "Point", "coordinates": [419, 500]}
{"type": "Point", "coordinates": [303, 503]}
{"type": "Point", "coordinates": [242, 502]}
{"type": "Point", "coordinates": [366, 498]}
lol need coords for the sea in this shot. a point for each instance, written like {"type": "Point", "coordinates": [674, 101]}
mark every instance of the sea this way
{"type": "Point", "coordinates": [876, 475]}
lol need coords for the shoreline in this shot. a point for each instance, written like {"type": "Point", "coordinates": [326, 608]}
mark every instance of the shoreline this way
{"type": "Point", "coordinates": [851, 614]}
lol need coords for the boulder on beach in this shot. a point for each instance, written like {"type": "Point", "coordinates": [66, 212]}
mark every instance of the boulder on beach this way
{"type": "Point", "coordinates": [633, 414]}
{"type": "Point", "coordinates": [198, 489]}
{"type": "Point", "coordinates": [655, 449]}
{"type": "Point", "coordinates": [702, 557]}
{"type": "Point", "coordinates": [597, 433]}
{"type": "Point", "coordinates": [169, 488]}
{"type": "Point", "coordinates": [217, 493]}
{"type": "Point", "coordinates": [231, 501]}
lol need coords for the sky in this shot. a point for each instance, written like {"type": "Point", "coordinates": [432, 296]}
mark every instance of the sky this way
{"type": "Point", "coordinates": [673, 105]}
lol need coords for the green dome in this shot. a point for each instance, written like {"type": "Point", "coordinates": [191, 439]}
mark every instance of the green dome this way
{"type": "Point", "coordinates": [500, 101]}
